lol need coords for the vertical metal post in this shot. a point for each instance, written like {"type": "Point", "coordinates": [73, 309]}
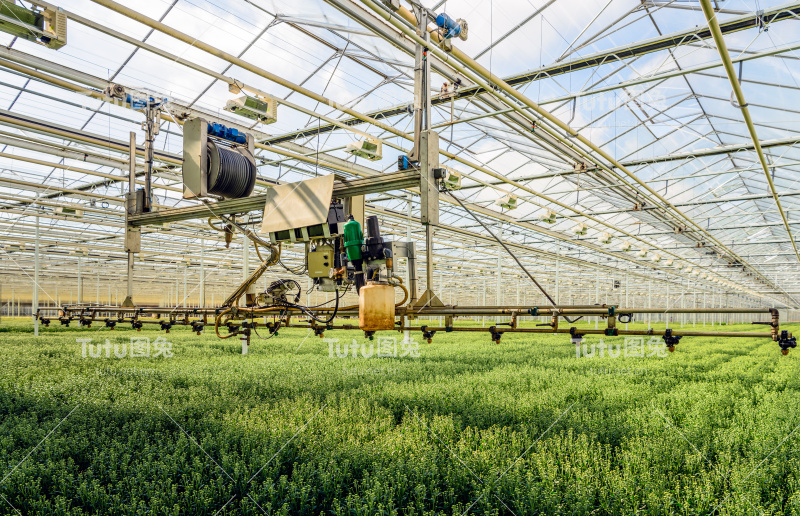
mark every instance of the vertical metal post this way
{"type": "Point", "coordinates": [627, 281]}
{"type": "Point", "coordinates": [409, 206]}
{"type": "Point", "coordinates": [80, 282]}
{"type": "Point", "coordinates": [429, 259]}
{"type": "Point", "coordinates": [185, 283]}
{"type": "Point", "coordinates": [483, 317]}
{"type": "Point", "coordinates": [245, 258]}
{"type": "Point", "coordinates": [151, 129]}
{"type": "Point", "coordinates": [557, 298]}
{"type": "Point", "coordinates": [130, 205]}
{"type": "Point", "coordinates": [597, 300]}
{"type": "Point", "coordinates": [426, 146]}
{"type": "Point", "coordinates": [650, 303]}
{"type": "Point", "coordinates": [412, 289]}
{"type": "Point", "coordinates": [712, 306]}
{"type": "Point", "coordinates": [202, 273]}
{"type": "Point", "coordinates": [35, 300]}
{"type": "Point", "coordinates": [498, 297]}
{"type": "Point", "coordinates": [245, 343]}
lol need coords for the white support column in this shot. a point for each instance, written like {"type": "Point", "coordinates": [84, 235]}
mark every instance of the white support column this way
{"type": "Point", "coordinates": [627, 305]}
{"type": "Point", "coordinates": [202, 273]}
{"type": "Point", "coordinates": [712, 306]}
{"type": "Point", "coordinates": [703, 301]}
{"type": "Point", "coordinates": [596, 300]}
{"type": "Point", "coordinates": [498, 297]}
{"type": "Point", "coordinates": [185, 283]}
{"type": "Point", "coordinates": [409, 206]}
{"type": "Point", "coordinates": [245, 257]}
{"type": "Point", "coordinates": [80, 283]}
{"type": "Point", "coordinates": [557, 298]}
{"type": "Point", "coordinates": [35, 299]}
{"type": "Point", "coordinates": [650, 303]}
{"type": "Point", "coordinates": [483, 317]}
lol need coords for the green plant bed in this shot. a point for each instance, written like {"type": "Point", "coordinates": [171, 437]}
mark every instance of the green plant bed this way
{"type": "Point", "coordinates": [520, 427]}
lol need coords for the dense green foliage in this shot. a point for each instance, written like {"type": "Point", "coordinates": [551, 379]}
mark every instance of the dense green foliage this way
{"type": "Point", "coordinates": [522, 426]}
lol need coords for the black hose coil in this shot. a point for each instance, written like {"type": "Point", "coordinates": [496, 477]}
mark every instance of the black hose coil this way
{"type": "Point", "coordinates": [231, 173]}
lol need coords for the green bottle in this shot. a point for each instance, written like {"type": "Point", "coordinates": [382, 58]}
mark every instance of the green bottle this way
{"type": "Point", "coordinates": [353, 239]}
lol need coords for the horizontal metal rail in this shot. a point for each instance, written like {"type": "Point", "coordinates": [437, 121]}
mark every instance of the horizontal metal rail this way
{"type": "Point", "coordinates": [406, 311]}
{"type": "Point", "coordinates": [341, 189]}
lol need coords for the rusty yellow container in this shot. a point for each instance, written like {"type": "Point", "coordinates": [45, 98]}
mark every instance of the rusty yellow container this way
{"type": "Point", "coordinates": [376, 307]}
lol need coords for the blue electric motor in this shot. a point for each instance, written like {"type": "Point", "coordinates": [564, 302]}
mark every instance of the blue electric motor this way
{"type": "Point", "coordinates": [226, 133]}
{"type": "Point", "coordinates": [452, 28]}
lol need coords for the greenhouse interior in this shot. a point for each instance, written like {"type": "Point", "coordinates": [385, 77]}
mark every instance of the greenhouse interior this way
{"type": "Point", "coordinates": [337, 258]}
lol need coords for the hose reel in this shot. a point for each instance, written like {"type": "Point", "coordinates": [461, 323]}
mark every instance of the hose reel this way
{"type": "Point", "coordinates": [218, 161]}
{"type": "Point", "coordinates": [231, 171]}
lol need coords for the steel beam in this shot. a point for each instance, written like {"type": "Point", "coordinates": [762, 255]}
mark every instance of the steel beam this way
{"type": "Point", "coordinates": [342, 188]}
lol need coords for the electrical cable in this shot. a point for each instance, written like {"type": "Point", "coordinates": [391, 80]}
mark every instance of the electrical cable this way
{"type": "Point", "coordinates": [272, 333]}
{"type": "Point", "coordinates": [296, 271]}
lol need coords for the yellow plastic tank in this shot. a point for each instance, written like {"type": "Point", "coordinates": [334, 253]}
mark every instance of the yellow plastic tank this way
{"type": "Point", "coordinates": [376, 307]}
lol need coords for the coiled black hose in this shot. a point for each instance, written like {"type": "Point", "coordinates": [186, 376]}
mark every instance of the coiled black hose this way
{"type": "Point", "coordinates": [231, 174]}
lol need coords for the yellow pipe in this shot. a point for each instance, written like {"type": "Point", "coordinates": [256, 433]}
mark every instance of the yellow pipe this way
{"type": "Point", "coordinates": [722, 49]}
{"type": "Point", "coordinates": [482, 73]}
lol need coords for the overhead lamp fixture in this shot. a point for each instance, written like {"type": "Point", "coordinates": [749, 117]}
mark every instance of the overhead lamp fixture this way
{"type": "Point", "coordinates": [370, 148]}
{"type": "Point", "coordinates": [43, 24]}
{"type": "Point", "coordinates": [263, 109]}
{"type": "Point", "coordinates": [605, 238]}
{"type": "Point", "coordinates": [449, 179]}
{"type": "Point", "coordinates": [69, 212]}
{"type": "Point", "coordinates": [549, 217]}
{"type": "Point", "coordinates": [580, 229]}
{"type": "Point", "coordinates": [508, 201]}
